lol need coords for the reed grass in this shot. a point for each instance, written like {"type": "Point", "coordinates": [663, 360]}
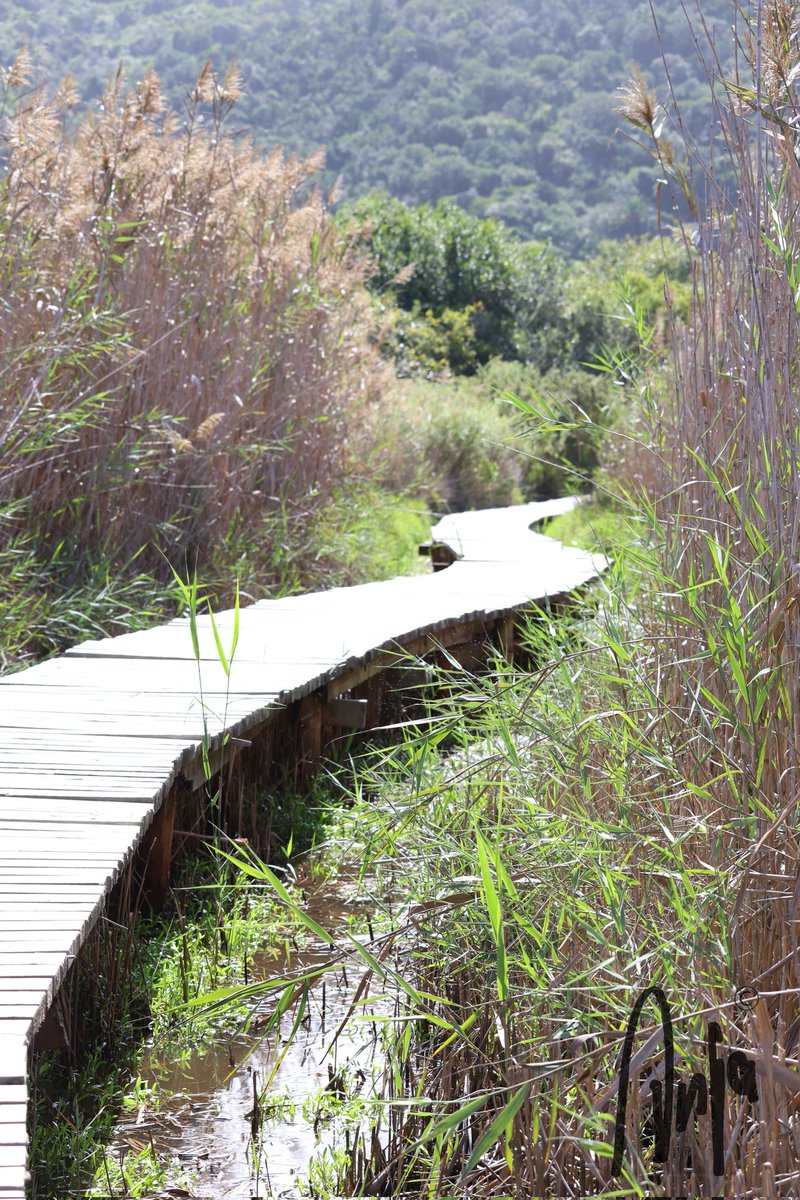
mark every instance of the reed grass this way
{"type": "Point", "coordinates": [627, 814]}
{"type": "Point", "coordinates": [184, 353]}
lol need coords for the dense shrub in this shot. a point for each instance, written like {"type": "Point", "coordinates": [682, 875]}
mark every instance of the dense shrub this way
{"type": "Point", "coordinates": [436, 261]}
{"type": "Point", "coordinates": [459, 291]}
{"type": "Point", "coordinates": [451, 443]}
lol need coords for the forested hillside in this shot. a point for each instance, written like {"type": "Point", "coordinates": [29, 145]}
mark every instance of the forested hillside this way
{"type": "Point", "coordinates": [507, 107]}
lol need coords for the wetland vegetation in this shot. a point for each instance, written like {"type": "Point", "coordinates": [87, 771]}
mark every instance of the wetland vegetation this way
{"type": "Point", "coordinates": [549, 841]}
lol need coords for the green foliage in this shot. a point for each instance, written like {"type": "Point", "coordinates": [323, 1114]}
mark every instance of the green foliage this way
{"type": "Point", "coordinates": [367, 533]}
{"type": "Point", "coordinates": [137, 1173]}
{"type": "Point", "coordinates": [638, 270]}
{"type": "Point", "coordinates": [460, 835]}
{"type": "Point", "coordinates": [212, 945]}
{"type": "Point", "coordinates": [422, 343]}
{"type": "Point", "coordinates": [466, 290]}
{"type": "Point", "coordinates": [506, 107]}
{"type": "Point", "coordinates": [563, 456]}
{"type": "Point", "coordinates": [472, 292]}
{"type": "Point", "coordinates": [464, 443]}
{"type": "Point", "coordinates": [211, 939]}
{"type": "Point", "coordinates": [454, 441]}
{"type": "Point", "coordinates": [45, 607]}
{"type": "Point", "coordinates": [458, 260]}
{"type": "Point", "coordinates": [595, 526]}
{"type": "Point", "coordinates": [73, 1118]}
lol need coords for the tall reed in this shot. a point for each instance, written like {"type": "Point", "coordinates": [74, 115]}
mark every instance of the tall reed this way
{"type": "Point", "coordinates": [183, 341]}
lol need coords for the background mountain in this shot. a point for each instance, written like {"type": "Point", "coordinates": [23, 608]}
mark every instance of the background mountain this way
{"type": "Point", "coordinates": [506, 107]}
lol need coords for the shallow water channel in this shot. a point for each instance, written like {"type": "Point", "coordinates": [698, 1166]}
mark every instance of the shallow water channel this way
{"type": "Point", "coordinates": [204, 1122]}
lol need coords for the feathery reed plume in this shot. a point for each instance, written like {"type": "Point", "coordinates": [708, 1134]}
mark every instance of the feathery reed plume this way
{"type": "Point", "coordinates": [21, 70]}
{"type": "Point", "coordinates": [637, 103]}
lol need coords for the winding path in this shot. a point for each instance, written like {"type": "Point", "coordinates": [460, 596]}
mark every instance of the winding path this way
{"type": "Point", "coordinates": [91, 743]}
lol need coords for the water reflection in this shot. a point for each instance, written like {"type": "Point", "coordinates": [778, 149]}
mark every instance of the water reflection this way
{"type": "Point", "coordinates": [205, 1122]}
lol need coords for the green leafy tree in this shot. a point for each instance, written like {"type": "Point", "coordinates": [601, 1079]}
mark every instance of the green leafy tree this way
{"type": "Point", "coordinates": [438, 261]}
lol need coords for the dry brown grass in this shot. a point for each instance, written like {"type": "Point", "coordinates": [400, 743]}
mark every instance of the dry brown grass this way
{"type": "Point", "coordinates": [183, 336]}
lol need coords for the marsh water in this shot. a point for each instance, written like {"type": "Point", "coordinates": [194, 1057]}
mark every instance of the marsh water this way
{"type": "Point", "coordinates": [205, 1121]}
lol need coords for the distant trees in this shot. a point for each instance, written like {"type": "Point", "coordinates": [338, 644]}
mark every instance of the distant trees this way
{"type": "Point", "coordinates": [459, 291]}
{"type": "Point", "coordinates": [506, 108]}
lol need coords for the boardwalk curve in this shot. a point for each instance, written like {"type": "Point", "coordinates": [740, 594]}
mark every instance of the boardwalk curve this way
{"type": "Point", "coordinates": [92, 742]}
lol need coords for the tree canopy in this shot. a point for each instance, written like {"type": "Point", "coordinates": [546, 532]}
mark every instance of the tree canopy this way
{"type": "Point", "coordinates": [506, 108]}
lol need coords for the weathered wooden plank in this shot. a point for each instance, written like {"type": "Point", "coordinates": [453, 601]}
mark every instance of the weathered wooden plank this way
{"type": "Point", "coordinates": [26, 1011]}
{"type": "Point", "coordinates": [346, 714]}
{"type": "Point", "coordinates": [13, 1053]}
{"type": "Point", "coordinates": [13, 1156]}
{"type": "Point", "coordinates": [31, 829]}
{"type": "Point", "coordinates": [59, 741]}
{"type": "Point", "coordinates": [11, 1187]}
{"type": "Point", "coordinates": [86, 893]}
{"type": "Point", "coordinates": [23, 995]}
{"type": "Point", "coordinates": [177, 727]}
{"type": "Point", "coordinates": [55, 888]}
{"type": "Point", "coordinates": [84, 812]}
{"type": "Point", "coordinates": [14, 1114]}
{"type": "Point", "coordinates": [12, 1132]}
{"type": "Point", "coordinates": [55, 941]}
{"type": "Point", "coordinates": [79, 886]}
{"type": "Point", "coordinates": [43, 959]}
{"type": "Point", "coordinates": [26, 924]}
{"type": "Point", "coordinates": [79, 789]}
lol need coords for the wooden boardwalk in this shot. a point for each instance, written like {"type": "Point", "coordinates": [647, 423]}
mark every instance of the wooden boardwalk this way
{"type": "Point", "coordinates": [92, 742]}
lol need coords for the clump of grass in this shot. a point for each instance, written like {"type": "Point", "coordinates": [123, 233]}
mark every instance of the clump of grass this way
{"type": "Point", "coordinates": [591, 526]}
{"type": "Point", "coordinates": [185, 359]}
{"type": "Point", "coordinates": [213, 940]}
{"type": "Point", "coordinates": [137, 1173]}
{"type": "Point", "coordinates": [367, 532]}
{"type": "Point", "coordinates": [451, 442]}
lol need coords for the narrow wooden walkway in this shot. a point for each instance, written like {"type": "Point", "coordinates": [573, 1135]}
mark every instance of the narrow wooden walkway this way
{"type": "Point", "coordinates": [91, 742]}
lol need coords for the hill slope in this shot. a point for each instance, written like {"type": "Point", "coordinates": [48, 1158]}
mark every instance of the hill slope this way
{"type": "Point", "coordinates": [507, 107]}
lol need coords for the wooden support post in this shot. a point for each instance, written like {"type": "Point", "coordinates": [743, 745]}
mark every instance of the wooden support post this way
{"type": "Point", "coordinates": [470, 654]}
{"type": "Point", "coordinates": [156, 850]}
{"type": "Point", "coordinates": [505, 637]}
{"type": "Point", "coordinates": [52, 1033]}
{"type": "Point", "coordinates": [309, 737]}
{"type": "Point", "coordinates": [345, 714]}
{"type": "Point", "coordinates": [374, 709]}
{"type": "Point", "coordinates": [442, 556]}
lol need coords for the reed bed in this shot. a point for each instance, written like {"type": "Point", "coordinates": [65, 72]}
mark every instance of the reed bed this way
{"type": "Point", "coordinates": [184, 353]}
